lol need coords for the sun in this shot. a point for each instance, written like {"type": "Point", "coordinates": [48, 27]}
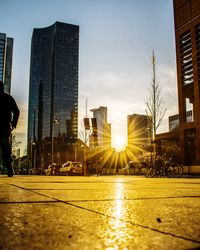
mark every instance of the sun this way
{"type": "Point", "coordinates": [119, 143]}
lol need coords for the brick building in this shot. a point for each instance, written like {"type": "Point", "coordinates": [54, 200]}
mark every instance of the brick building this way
{"type": "Point", "coordinates": [187, 33]}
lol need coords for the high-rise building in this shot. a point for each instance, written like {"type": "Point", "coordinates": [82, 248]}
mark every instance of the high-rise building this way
{"type": "Point", "coordinates": [102, 126]}
{"type": "Point", "coordinates": [6, 54]}
{"type": "Point", "coordinates": [53, 92]}
{"type": "Point", "coordinates": [139, 131]}
{"type": "Point", "coordinates": [187, 33]}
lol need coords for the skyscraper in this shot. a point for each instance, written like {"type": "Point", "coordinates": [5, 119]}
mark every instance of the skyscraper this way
{"type": "Point", "coordinates": [6, 52]}
{"type": "Point", "coordinates": [53, 90]}
{"type": "Point", "coordinates": [187, 32]}
{"type": "Point", "coordinates": [103, 128]}
{"type": "Point", "coordinates": [139, 131]}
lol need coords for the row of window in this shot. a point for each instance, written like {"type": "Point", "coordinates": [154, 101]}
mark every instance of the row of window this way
{"type": "Point", "coordinates": [185, 43]}
{"type": "Point", "coordinates": [197, 40]}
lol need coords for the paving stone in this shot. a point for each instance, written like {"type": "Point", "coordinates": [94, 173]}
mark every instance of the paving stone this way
{"type": "Point", "coordinates": [126, 212]}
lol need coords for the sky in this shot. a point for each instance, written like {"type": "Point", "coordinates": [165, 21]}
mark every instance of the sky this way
{"type": "Point", "coordinates": [116, 42]}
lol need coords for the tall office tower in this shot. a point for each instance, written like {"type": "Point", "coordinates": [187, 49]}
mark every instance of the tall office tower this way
{"type": "Point", "coordinates": [53, 90]}
{"type": "Point", "coordinates": [139, 132]}
{"type": "Point", "coordinates": [187, 33]}
{"type": "Point", "coordinates": [6, 53]}
{"type": "Point", "coordinates": [103, 127]}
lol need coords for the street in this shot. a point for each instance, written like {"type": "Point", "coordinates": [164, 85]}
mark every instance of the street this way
{"type": "Point", "coordinates": [105, 212]}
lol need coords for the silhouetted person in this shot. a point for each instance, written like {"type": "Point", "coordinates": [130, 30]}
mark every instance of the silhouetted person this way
{"type": "Point", "coordinates": [9, 114]}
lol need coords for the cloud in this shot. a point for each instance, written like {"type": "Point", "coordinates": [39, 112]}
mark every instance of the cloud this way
{"type": "Point", "coordinates": [125, 93]}
{"type": "Point", "coordinates": [119, 92]}
{"type": "Point", "coordinates": [122, 93]}
{"type": "Point", "coordinates": [169, 89]}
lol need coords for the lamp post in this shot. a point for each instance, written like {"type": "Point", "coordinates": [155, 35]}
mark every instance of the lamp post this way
{"type": "Point", "coordinates": [55, 121]}
{"type": "Point", "coordinates": [34, 159]}
{"type": "Point", "coordinates": [87, 128]}
{"type": "Point", "coordinates": [33, 156]}
{"type": "Point", "coordinates": [52, 146]}
{"type": "Point", "coordinates": [33, 143]}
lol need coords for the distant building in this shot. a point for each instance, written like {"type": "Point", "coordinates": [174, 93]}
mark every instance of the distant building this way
{"type": "Point", "coordinates": [187, 33]}
{"type": "Point", "coordinates": [53, 92]}
{"type": "Point", "coordinates": [139, 131]}
{"type": "Point", "coordinates": [6, 54]}
{"type": "Point", "coordinates": [174, 120]}
{"type": "Point", "coordinates": [103, 127]}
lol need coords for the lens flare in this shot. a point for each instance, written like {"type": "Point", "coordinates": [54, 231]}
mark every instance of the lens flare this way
{"type": "Point", "coordinates": [119, 143]}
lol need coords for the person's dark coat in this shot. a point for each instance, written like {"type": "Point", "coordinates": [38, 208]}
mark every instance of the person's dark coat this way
{"type": "Point", "coordinates": [9, 112]}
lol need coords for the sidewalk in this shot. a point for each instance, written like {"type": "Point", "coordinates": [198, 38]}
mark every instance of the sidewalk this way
{"type": "Point", "coordinates": [106, 212]}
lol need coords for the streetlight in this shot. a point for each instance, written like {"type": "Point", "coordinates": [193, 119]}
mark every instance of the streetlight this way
{"type": "Point", "coordinates": [55, 121]}
{"type": "Point", "coordinates": [33, 143]}
{"type": "Point", "coordinates": [34, 157]}
{"type": "Point", "coordinates": [87, 127]}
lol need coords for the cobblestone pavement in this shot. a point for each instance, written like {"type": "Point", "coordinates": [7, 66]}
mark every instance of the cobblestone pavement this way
{"type": "Point", "coordinates": [106, 212]}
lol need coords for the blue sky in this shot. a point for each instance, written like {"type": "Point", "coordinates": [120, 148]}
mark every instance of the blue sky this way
{"type": "Point", "coordinates": [116, 42]}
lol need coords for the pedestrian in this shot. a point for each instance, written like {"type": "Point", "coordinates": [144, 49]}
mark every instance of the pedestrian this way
{"type": "Point", "coordinates": [9, 114]}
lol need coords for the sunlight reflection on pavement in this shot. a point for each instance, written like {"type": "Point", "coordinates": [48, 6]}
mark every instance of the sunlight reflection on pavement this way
{"type": "Point", "coordinates": [117, 231]}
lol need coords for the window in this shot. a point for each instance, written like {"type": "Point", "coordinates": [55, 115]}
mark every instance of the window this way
{"type": "Point", "coordinates": [185, 43]}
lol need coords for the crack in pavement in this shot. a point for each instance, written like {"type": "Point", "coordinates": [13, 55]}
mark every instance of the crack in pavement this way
{"type": "Point", "coordinates": [108, 216]}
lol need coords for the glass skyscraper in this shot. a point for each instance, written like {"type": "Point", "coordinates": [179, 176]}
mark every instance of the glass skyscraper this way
{"type": "Point", "coordinates": [53, 90]}
{"type": "Point", "coordinates": [6, 52]}
{"type": "Point", "coordinates": [102, 126]}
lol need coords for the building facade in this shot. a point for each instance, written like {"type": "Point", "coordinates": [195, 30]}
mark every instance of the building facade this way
{"type": "Point", "coordinates": [139, 132]}
{"type": "Point", "coordinates": [174, 120]}
{"type": "Point", "coordinates": [6, 55]}
{"type": "Point", "coordinates": [53, 86]}
{"type": "Point", "coordinates": [187, 33]}
{"type": "Point", "coordinates": [103, 127]}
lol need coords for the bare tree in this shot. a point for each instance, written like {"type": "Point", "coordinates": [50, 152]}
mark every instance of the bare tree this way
{"type": "Point", "coordinates": [15, 146]}
{"type": "Point", "coordinates": [155, 105]}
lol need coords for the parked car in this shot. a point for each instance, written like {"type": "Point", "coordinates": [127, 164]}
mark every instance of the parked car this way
{"type": "Point", "coordinates": [53, 169]}
{"type": "Point", "coordinates": [72, 168]}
